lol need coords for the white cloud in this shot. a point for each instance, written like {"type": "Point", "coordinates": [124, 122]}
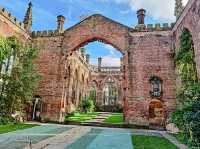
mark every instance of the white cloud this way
{"type": "Point", "coordinates": [110, 61]}
{"type": "Point", "coordinates": [110, 48]}
{"type": "Point", "coordinates": [158, 9]}
{"type": "Point", "coordinates": [124, 12]}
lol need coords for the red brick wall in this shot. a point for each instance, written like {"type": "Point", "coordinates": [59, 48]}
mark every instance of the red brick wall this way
{"type": "Point", "coordinates": [145, 54]}
{"type": "Point", "coordinates": [9, 27]}
{"type": "Point", "coordinates": [51, 84]}
{"type": "Point", "coordinates": [150, 55]}
{"type": "Point", "coordinates": [96, 27]}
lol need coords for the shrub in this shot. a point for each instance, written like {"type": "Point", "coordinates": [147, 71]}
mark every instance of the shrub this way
{"type": "Point", "coordinates": [87, 105]}
{"type": "Point", "coordinates": [188, 119]}
{"type": "Point", "coordinates": [4, 119]}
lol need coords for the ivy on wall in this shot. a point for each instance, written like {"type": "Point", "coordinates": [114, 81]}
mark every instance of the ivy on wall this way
{"type": "Point", "coordinates": [185, 62]}
{"type": "Point", "coordinates": [187, 114]}
{"type": "Point", "coordinates": [18, 76]}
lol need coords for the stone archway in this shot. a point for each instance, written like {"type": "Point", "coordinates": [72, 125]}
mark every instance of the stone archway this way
{"type": "Point", "coordinates": [156, 113]}
{"type": "Point", "coordinates": [96, 28]}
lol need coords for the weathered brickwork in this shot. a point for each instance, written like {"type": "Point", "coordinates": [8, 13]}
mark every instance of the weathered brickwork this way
{"type": "Point", "coordinates": [10, 26]}
{"type": "Point", "coordinates": [147, 52]}
{"type": "Point", "coordinates": [100, 78]}
{"type": "Point", "coordinates": [150, 55]}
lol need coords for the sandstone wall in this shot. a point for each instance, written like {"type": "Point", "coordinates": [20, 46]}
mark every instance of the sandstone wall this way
{"type": "Point", "coordinates": [10, 26]}
{"type": "Point", "coordinates": [149, 55]}
{"type": "Point", "coordinates": [48, 65]}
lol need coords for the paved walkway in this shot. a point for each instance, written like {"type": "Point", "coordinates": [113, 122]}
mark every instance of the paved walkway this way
{"type": "Point", "coordinates": [104, 138]}
{"type": "Point", "coordinates": [99, 118]}
{"type": "Point", "coordinates": [21, 138]}
{"type": "Point", "coordinates": [52, 136]}
{"type": "Point", "coordinates": [85, 137]}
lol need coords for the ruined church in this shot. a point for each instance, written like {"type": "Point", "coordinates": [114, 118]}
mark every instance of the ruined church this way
{"type": "Point", "coordinates": [145, 83]}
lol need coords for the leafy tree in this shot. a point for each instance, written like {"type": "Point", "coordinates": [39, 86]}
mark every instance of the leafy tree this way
{"type": "Point", "coordinates": [17, 88]}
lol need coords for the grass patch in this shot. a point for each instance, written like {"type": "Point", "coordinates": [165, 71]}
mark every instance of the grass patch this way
{"type": "Point", "coordinates": [81, 117]}
{"type": "Point", "coordinates": [115, 118]}
{"type": "Point", "coordinates": [14, 127]}
{"type": "Point", "coordinates": [151, 142]}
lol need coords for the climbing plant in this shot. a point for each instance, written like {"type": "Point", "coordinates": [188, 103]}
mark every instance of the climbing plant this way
{"type": "Point", "coordinates": [187, 114]}
{"type": "Point", "coordinates": [185, 62]}
{"type": "Point", "coordinates": [18, 76]}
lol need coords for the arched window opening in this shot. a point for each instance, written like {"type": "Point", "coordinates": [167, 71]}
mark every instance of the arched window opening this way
{"type": "Point", "coordinates": [37, 108]}
{"type": "Point", "coordinates": [156, 112]}
{"type": "Point", "coordinates": [110, 92]}
{"type": "Point", "coordinates": [93, 91]}
{"type": "Point", "coordinates": [96, 60]}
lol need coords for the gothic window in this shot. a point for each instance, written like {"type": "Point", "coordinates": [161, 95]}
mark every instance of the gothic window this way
{"type": "Point", "coordinates": [6, 68]}
{"type": "Point", "coordinates": [7, 65]}
{"type": "Point", "coordinates": [156, 87]}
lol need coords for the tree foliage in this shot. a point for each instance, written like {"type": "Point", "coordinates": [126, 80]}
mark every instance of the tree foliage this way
{"type": "Point", "coordinates": [187, 114]}
{"type": "Point", "coordinates": [17, 88]}
{"type": "Point", "coordinates": [87, 105]}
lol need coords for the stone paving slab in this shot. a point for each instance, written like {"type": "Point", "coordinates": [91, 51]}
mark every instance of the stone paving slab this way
{"type": "Point", "coordinates": [60, 141]}
{"type": "Point", "coordinates": [112, 139]}
{"type": "Point", "coordinates": [53, 136]}
{"type": "Point", "coordinates": [21, 138]}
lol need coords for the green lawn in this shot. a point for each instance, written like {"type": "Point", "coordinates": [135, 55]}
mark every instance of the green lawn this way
{"type": "Point", "coordinates": [151, 142]}
{"type": "Point", "coordinates": [115, 118]}
{"type": "Point", "coordinates": [81, 117]}
{"type": "Point", "coordinates": [14, 127]}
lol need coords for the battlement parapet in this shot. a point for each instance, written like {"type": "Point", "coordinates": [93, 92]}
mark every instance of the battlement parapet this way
{"type": "Point", "coordinates": [151, 27]}
{"type": "Point", "coordinates": [11, 18]}
{"type": "Point", "coordinates": [46, 33]}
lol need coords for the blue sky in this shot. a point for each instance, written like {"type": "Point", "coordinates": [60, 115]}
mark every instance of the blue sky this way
{"type": "Point", "coordinates": [123, 11]}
